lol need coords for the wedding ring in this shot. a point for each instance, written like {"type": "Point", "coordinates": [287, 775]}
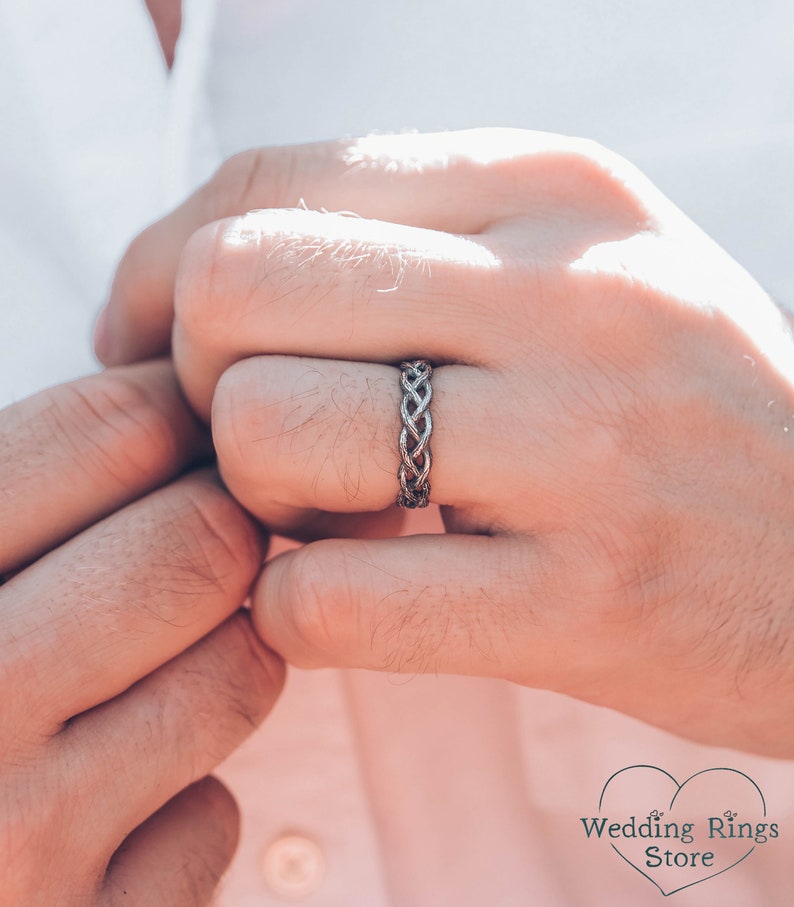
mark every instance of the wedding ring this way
{"type": "Point", "coordinates": [417, 426]}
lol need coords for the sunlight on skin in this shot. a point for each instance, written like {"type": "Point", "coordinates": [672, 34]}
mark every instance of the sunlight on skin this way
{"type": "Point", "coordinates": [304, 236]}
{"type": "Point", "coordinates": [483, 148]}
{"type": "Point", "coordinates": [668, 265]}
{"type": "Point", "coordinates": [416, 152]}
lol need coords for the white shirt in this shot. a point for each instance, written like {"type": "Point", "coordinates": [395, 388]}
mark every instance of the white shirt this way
{"type": "Point", "coordinates": [370, 789]}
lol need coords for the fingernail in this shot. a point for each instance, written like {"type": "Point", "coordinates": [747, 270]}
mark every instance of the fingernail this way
{"type": "Point", "coordinates": [101, 336]}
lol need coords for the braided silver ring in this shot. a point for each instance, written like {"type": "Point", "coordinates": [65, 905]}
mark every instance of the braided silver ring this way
{"type": "Point", "coordinates": [414, 472]}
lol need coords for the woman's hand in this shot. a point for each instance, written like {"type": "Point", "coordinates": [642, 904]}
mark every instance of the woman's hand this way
{"type": "Point", "coordinates": [127, 672]}
{"type": "Point", "coordinates": [613, 408]}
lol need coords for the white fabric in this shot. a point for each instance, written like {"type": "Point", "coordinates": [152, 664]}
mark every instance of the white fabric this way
{"type": "Point", "coordinates": [430, 790]}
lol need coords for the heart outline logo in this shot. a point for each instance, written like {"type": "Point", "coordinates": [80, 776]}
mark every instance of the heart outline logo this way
{"type": "Point", "coordinates": [678, 789]}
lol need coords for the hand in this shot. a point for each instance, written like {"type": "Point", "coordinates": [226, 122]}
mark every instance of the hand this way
{"type": "Point", "coordinates": [127, 672]}
{"type": "Point", "coordinates": [613, 401]}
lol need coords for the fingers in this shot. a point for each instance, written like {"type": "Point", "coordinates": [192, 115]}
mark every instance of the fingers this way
{"type": "Point", "coordinates": [177, 857]}
{"type": "Point", "coordinates": [325, 285]}
{"type": "Point", "coordinates": [297, 436]}
{"type": "Point", "coordinates": [74, 453]}
{"type": "Point", "coordinates": [373, 177]}
{"type": "Point", "coordinates": [123, 598]}
{"type": "Point", "coordinates": [170, 729]}
{"type": "Point", "coordinates": [449, 604]}
{"type": "Point", "coordinates": [456, 182]}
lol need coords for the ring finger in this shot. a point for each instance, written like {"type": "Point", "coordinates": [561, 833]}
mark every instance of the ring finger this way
{"type": "Point", "coordinates": [299, 436]}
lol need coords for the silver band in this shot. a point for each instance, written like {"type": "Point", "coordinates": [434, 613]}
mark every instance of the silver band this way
{"type": "Point", "coordinates": [414, 472]}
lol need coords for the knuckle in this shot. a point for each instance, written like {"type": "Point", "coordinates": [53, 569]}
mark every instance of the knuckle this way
{"type": "Point", "coordinates": [595, 160]}
{"type": "Point", "coordinates": [110, 425]}
{"type": "Point", "coordinates": [561, 175]}
{"type": "Point", "coordinates": [240, 181]}
{"type": "Point", "coordinates": [270, 177]}
{"type": "Point", "coordinates": [544, 169]}
{"type": "Point", "coordinates": [599, 175]}
{"type": "Point", "coordinates": [235, 420]}
{"type": "Point", "coordinates": [205, 269]}
{"type": "Point", "coordinates": [213, 544]}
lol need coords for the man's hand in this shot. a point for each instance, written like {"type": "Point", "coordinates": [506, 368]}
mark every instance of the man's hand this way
{"type": "Point", "coordinates": [127, 672]}
{"type": "Point", "coordinates": [613, 407]}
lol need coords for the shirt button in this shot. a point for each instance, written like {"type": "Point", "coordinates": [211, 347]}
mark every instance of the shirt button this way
{"type": "Point", "coordinates": [293, 866]}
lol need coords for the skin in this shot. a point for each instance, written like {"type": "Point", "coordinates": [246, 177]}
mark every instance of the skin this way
{"type": "Point", "coordinates": [127, 670]}
{"type": "Point", "coordinates": [613, 406]}
{"type": "Point", "coordinates": [167, 18]}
